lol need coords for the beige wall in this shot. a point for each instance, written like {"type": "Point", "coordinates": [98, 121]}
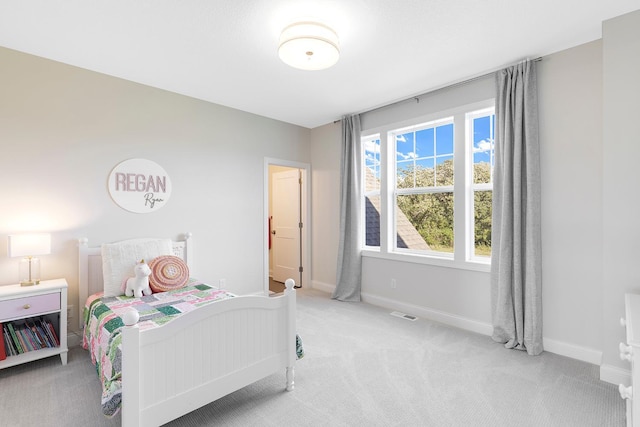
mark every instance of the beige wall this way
{"type": "Point", "coordinates": [621, 200]}
{"type": "Point", "coordinates": [589, 205]}
{"type": "Point", "coordinates": [570, 109]}
{"type": "Point", "coordinates": [62, 130]}
{"type": "Point", "coordinates": [325, 202]}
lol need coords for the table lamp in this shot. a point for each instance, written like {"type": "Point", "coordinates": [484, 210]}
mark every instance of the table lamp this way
{"type": "Point", "coordinates": [28, 246]}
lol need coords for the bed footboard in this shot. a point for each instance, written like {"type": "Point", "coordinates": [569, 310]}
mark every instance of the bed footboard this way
{"type": "Point", "coordinates": [195, 359]}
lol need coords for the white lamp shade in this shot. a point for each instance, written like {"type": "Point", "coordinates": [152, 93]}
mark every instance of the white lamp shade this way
{"type": "Point", "coordinates": [29, 244]}
{"type": "Point", "coordinates": [309, 46]}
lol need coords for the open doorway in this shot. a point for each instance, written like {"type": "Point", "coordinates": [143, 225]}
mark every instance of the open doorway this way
{"type": "Point", "coordinates": [286, 204]}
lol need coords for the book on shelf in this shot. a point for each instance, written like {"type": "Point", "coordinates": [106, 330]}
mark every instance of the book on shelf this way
{"type": "Point", "coordinates": [9, 344]}
{"type": "Point", "coordinates": [24, 338]}
{"type": "Point", "coordinates": [43, 335]}
{"type": "Point", "coordinates": [37, 333]}
{"type": "Point", "coordinates": [26, 335]}
{"type": "Point", "coordinates": [7, 347]}
{"type": "Point", "coordinates": [31, 336]}
{"type": "Point", "coordinates": [34, 337]}
{"type": "Point", "coordinates": [42, 324]}
{"type": "Point", "coordinates": [16, 341]}
{"type": "Point", "coordinates": [51, 329]}
{"type": "Point", "coordinates": [3, 352]}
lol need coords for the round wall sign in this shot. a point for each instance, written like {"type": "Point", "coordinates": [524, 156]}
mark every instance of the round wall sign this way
{"type": "Point", "coordinates": [139, 185]}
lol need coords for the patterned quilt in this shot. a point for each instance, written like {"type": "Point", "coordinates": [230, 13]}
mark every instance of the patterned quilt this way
{"type": "Point", "coordinates": [102, 332]}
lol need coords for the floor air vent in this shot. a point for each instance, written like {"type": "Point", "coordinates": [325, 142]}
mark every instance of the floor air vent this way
{"type": "Point", "coordinates": [404, 316]}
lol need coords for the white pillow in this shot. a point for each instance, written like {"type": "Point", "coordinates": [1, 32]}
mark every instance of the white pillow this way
{"type": "Point", "coordinates": [118, 260]}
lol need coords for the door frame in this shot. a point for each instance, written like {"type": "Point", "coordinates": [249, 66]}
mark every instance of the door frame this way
{"type": "Point", "coordinates": [305, 201]}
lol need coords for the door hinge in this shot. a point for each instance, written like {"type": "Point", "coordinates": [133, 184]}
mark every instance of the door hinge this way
{"type": "Point", "coordinates": [300, 269]}
{"type": "Point", "coordinates": [299, 225]}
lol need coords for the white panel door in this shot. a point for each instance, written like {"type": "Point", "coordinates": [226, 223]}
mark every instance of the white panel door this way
{"type": "Point", "coordinates": [285, 226]}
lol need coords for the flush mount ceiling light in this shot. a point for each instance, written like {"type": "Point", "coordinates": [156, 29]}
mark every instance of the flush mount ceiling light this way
{"type": "Point", "coordinates": [309, 46]}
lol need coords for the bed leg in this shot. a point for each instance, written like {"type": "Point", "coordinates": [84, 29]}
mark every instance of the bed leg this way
{"type": "Point", "coordinates": [290, 382]}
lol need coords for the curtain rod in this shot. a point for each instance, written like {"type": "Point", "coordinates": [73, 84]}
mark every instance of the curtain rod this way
{"type": "Point", "coordinates": [417, 97]}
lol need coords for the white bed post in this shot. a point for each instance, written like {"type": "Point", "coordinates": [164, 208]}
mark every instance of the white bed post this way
{"type": "Point", "coordinates": [131, 371]}
{"type": "Point", "coordinates": [290, 293]}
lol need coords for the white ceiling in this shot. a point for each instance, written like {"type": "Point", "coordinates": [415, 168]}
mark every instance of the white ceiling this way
{"type": "Point", "coordinates": [225, 51]}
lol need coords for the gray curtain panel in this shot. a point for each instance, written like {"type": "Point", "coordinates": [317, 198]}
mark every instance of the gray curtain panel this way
{"type": "Point", "coordinates": [516, 285]}
{"type": "Point", "coordinates": [349, 253]}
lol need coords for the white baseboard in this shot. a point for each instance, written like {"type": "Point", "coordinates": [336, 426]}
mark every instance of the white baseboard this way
{"type": "Point", "coordinates": [614, 375]}
{"type": "Point", "coordinates": [73, 339]}
{"type": "Point", "coordinates": [427, 313]}
{"type": "Point", "coordinates": [561, 348]}
{"type": "Point", "coordinates": [584, 354]}
{"type": "Point", "coordinates": [321, 286]}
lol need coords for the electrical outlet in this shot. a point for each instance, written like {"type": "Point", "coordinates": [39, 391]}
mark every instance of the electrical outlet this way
{"type": "Point", "coordinates": [222, 284]}
{"type": "Point", "coordinates": [393, 284]}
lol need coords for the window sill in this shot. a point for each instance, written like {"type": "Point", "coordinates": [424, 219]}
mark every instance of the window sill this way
{"type": "Point", "coordinates": [430, 260]}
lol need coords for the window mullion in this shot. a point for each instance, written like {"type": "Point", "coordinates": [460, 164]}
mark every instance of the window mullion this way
{"type": "Point", "coordinates": [459, 183]}
{"type": "Point", "coordinates": [386, 194]}
{"type": "Point", "coordinates": [469, 187]}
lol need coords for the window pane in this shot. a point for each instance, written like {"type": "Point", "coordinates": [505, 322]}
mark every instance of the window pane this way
{"type": "Point", "coordinates": [372, 221]}
{"type": "Point", "coordinates": [482, 222]}
{"type": "Point", "coordinates": [405, 177]}
{"type": "Point", "coordinates": [425, 143]}
{"type": "Point", "coordinates": [444, 139]}
{"type": "Point", "coordinates": [424, 173]}
{"type": "Point", "coordinates": [481, 172]}
{"type": "Point", "coordinates": [482, 129]}
{"type": "Point", "coordinates": [483, 149]}
{"type": "Point", "coordinates": [444, 171]}
{"type": "Point", "coordinates": [372, 164]}
{"type": "Point", "coordinates": [405, 147]}
{"type": "Point", "coordinates": [425, 221]}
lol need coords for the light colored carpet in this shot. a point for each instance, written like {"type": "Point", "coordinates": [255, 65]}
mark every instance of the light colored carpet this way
{"type": "Point", "coordinates": [363, 367]}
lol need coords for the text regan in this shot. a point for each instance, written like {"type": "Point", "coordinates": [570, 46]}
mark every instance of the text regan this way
{"type": "Point", "coordinates": [140, 183]}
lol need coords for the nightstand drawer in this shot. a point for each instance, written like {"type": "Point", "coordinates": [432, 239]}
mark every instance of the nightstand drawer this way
{"type": "Point", "coordinates": [29, 306]}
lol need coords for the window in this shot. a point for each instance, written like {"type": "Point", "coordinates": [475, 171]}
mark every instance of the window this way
{"type": "Point", "coordinates": [429, 185]}
{"type": "Point", "coordinates": [481, 143]}
{"type": "Point", "coordinates": [424, 187]}
{"type": "Point", "coordinates": [371, 151]}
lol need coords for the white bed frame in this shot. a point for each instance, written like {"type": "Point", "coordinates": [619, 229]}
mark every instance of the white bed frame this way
{"type": "Point", "coordinates": [172, 370]}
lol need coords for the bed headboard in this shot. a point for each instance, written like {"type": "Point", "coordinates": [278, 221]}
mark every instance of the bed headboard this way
{"type": "Point", "coordinates": [90, 276]}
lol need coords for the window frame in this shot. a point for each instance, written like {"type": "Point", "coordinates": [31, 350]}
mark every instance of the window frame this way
{"type": "Point", "coordinates": [461, 257]}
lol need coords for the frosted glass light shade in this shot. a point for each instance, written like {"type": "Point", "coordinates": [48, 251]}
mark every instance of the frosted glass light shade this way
{"type": "Point", "coordinates": [309, 46]}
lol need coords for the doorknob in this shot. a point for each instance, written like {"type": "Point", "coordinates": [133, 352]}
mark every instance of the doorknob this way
{"type": "Point", "coordinates": [273, 232]}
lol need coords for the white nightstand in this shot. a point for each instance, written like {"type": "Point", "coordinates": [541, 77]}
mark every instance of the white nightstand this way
{"type": "Point", "coordinates": [47, 300]}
